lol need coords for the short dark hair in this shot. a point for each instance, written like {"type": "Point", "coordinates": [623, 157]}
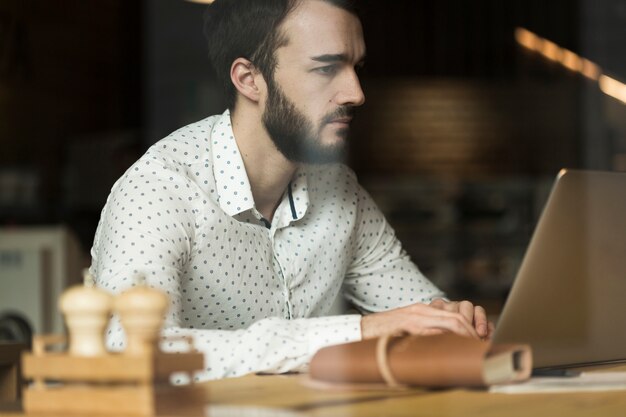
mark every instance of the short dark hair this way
{"type": "Point", "coordinates": [249, 29]}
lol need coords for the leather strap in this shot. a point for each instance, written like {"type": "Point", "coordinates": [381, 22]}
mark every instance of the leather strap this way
{"type": "Point", "coordinates": [383, 364]}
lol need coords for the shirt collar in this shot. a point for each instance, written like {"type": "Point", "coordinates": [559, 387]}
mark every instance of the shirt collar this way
{"type": "Point", "coordinates": [233, 188]}
{"type": "Point", "coordinates": [231, 181]}
{"type": "Point", "coordinates": [299, 189]}
{"type": "Point", "coordinates": [295, 201]}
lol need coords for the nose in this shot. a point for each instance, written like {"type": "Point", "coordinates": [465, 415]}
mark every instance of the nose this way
{"type": "Point", "coordinates": [351, 93]}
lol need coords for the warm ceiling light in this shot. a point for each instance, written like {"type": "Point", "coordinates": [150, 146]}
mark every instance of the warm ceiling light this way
{"type": "Point", "coordinates": [613, 88]}
{"type": "Point", "coordinates": [590, 70]}
{"type": "Point", "coordinates": [571, 61]}
{"type": "Point", "coordinates": [527, 39]}
{"type": "Point", "coordinates": [554, 52]}
{"type": "Point", "coordinates": [551, 50]}
{"type": "Point", "coordinates": [202, 1]}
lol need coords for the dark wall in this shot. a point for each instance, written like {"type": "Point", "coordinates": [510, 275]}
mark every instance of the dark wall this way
{"type": "Point", "coordinates": [67, 69]}
{"type": "Point", "coordinates": [455, 38]}
{"type": "Point", "coordinates": [178, 79]}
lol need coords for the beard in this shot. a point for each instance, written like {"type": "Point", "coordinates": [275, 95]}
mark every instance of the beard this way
{"type": "Point", "coordinates": [296, 137]}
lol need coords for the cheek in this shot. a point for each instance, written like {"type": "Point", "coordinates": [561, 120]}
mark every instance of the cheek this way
{"type": "Point", "coordinates": [312, 111]}
{"type": "Point", "coordinates": [310, 99]}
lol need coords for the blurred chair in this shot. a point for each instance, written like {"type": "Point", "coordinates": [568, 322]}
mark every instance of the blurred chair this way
{"type": "Point", "coordinates": [10, 375]}
{"type": "Point", "coordinates": [36, 265]}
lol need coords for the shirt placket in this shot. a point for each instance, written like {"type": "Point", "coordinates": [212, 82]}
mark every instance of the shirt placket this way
{"type": "Point", "coordinates": [280, 266]}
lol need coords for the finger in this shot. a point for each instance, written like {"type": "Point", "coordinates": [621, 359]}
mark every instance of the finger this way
{"type": "Point", "coordinates": [459, 325]}
{"type": "Point", "coordinates": [451, 306]}
{"type": "Point", "coordinates": [480, 321]}
{"type": "Point", "coordinates": [467, 311]}
{"type": "Point", "coordinates": [451, 322]}
{"type": "Point", "coordinates": [431, 332]}
{"type": "Point", "coordinates": [492, 328]}
{"type": "Point", "coordinates": [456, 319]}
{"type": "Point", "coordinates": [438, 303]}
{"type": "Point", "coordinates": [419, 312]}
{"type": "Point", "coordinates": [433, 309]}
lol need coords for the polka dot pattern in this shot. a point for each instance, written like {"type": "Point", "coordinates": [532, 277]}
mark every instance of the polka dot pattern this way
{"type": "Point", "coordinates": [254, 296]}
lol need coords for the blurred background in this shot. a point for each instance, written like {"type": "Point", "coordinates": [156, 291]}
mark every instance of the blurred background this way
{"type": "Point", "coordinates": [459, 141]}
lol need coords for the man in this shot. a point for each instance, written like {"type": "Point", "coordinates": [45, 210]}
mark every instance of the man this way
{"type": "Point", "coordinates": [247, 220]}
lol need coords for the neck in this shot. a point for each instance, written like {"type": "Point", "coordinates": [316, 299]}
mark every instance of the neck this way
{"type": "Point", "coordinates": [269, 172]}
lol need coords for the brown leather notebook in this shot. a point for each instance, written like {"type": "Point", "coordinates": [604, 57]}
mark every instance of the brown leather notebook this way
{"type": "Point", "coordinates": [445, 360]}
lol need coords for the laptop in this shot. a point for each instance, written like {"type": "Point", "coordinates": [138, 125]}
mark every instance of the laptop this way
{"type": "Point", "coordinates": [568, 300]}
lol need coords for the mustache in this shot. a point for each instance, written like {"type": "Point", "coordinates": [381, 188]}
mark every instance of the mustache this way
{"type": "Point", "coordinates": [340, 112]}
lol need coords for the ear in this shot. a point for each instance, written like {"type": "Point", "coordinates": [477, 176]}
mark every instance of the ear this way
{"type": "Point", "coordinates": [247, 79]}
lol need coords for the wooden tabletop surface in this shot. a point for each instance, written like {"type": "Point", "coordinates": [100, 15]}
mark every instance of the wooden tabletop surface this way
{"type": "Point", "coordinates": [290, 396]}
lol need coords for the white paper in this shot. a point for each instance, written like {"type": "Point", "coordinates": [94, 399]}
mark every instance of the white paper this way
{"type": "Point", "coordinates": [586, 381]}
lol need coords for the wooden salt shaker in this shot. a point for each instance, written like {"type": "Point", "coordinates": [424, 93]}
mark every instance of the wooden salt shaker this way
{"type": "Point", "coordinates": [141, 310]}
{"type": "Point", "coordinates": [87, 311]}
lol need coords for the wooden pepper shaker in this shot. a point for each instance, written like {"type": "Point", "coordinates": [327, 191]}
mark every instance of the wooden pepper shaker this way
{"type": "Point", "coordinates": [141, 310]}
{"type": "Point", "coordinates": [87, 311]}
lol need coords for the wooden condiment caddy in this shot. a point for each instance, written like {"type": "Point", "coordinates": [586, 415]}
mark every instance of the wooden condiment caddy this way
{"type": "Point", "coordinates": [87, 379]}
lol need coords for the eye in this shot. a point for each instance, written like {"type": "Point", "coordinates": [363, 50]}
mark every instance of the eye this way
{"type": "Point", "coordinates": [326, 70]}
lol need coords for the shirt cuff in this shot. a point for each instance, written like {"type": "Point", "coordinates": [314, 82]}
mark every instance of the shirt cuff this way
{"type": "Point", "coordinates": [333, 330]}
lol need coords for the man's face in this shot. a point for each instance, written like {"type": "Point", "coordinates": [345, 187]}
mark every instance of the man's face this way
{"type": "Point", "coordinates": [313, 92]}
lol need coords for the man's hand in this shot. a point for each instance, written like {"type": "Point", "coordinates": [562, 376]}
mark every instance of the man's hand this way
{"type": "Point", "coordinates": [475, 315]}
{"type": "Point", "coordinates": [440, 316]}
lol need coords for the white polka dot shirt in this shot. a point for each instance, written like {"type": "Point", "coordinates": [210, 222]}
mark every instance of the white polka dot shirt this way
{"type": "Point", "coordinates": [254, 296]}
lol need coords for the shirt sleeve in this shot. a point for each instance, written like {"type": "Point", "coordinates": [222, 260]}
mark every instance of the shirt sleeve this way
{"type": "Point", "coordinates": [154, 241]}
{"type": "Point", "coordinates": [271, 345]}
{"type": "Point", "coordinates": [381, 275]}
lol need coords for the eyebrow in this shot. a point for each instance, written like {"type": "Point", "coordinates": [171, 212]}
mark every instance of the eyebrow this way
{"type": "Point", "coordinates": [329, 58]}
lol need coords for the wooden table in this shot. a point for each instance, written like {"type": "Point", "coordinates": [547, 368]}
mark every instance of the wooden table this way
{"type": "Point", "coordinates": [287, 396]}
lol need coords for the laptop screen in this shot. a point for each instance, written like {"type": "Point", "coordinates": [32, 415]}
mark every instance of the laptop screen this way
{"type": "Point", "coordinates": [568, 300]}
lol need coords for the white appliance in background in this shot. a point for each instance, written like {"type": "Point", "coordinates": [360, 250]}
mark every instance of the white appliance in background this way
{"type": "Point", "coordinates": [36, 265]}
